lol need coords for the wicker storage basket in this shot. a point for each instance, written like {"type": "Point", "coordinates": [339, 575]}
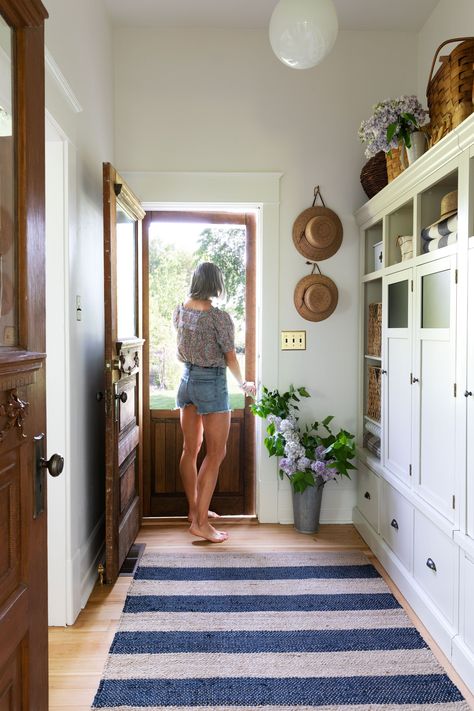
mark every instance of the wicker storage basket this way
{"type": "Point", "coordinates": [374, 391]}
{"type": "Point", "coordinates": [449, 91]}
{"type": "Point", "coordinates": [394, 164]}
{"type": "Point", "coordinates": [374, 330]}
{"type": "Point", "coordinates": [373, 176]}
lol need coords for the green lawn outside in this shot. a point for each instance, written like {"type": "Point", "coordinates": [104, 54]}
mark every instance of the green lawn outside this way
{"type": "Point", "coordinates": [165, 400]}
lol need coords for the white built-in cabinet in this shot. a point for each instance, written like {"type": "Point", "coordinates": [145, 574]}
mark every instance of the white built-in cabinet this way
{"type": "Point", "coordinates": [415, 505]}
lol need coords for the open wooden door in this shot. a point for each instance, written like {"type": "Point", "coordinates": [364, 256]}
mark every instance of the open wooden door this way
{"type": "Point", "coordinates": [23, 541]}
{"type": "Point", "coordinates": [123, 358]}
{"type": "Point", "coordinates": [163, 492]}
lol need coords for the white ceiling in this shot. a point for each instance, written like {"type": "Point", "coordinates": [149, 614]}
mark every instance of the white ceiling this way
{"type": "Point", "coordinates": [407, 15]}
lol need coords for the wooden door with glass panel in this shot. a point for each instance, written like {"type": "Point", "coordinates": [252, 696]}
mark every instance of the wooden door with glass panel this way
{"type": "Point", "coordinates": [123, 359]}
{"type": "Point", "coordinates": [174, 242]}
{"type": "Point", "coordinates": [23, 541]}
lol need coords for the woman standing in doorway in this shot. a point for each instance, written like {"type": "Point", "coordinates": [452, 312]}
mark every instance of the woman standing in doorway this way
{"type": "Point", "coordinates": [206, 347]}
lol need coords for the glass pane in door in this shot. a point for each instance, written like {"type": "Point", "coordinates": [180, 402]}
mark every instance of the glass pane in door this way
{"type": "Point", "coordinates": [398, 304]}
{"type": "Point", "coordinates": [435, 300]}
{"type": "Point", "coordinates": [126, 276]}
{"type": "Point", "coordinates": [8, 251]}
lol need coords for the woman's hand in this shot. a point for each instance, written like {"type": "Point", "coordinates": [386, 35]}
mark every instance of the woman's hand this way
{"type": "Point", "coordinates": [249, 388]}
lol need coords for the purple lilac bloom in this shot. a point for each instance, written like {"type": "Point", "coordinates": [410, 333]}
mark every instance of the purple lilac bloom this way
{"type": "Point", "coordinates": [288, 466]}
{"type": "Point", "coordinates": [274, 420]}
{"type": "Point", "coordinates": [318, 467]}
{"type": "Point", "coordinates": [293, 450]}
{"type": "Point", "coordinates": [319, 452]}
{"type": "Point", "coordinates": [303, 464]}
{"type": "Point", "coordinates": [287, 424]}
{"type": "Point", "coordinates": [373, 131]}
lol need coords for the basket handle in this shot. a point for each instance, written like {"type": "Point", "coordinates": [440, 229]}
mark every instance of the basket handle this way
{"type": "Point", "coordinates": [456, 39]}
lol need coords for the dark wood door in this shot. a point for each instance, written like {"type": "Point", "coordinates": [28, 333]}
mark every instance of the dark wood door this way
{"type": "Point", "coordinates": [23, 541]}
{"type": "Point", "coordinates": [235, 490]}
{"type": "Point", "coordinates": [123, 360]}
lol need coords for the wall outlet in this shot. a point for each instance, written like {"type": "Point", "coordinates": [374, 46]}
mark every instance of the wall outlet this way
{"type": "Point", "coordinates": [293, 340]}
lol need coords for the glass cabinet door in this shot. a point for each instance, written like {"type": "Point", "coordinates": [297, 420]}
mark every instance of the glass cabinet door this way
{"type": "Point", "coordinates": [397, 350]}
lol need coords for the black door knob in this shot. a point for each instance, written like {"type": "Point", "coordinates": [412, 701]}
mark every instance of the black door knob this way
{"type": "Point", "coordinates": [99, 396]}
{"type": "Point", "coordinates": [55, 464]}
{"type": "Point", "coordinates": [123, 397]}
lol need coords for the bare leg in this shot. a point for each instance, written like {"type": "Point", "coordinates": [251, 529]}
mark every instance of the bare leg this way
{"type": "Point", "coordinates": [191, 426]}
{"type": "Point", "coordinates": [216, 429]}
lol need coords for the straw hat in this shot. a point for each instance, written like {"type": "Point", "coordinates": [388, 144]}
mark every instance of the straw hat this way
{"type": "Point", "coordinates": [315, 297]}
{"type": "Point", "coordinates": [449, 206]}
{"type": "Point", "coordinates": [317, 233]}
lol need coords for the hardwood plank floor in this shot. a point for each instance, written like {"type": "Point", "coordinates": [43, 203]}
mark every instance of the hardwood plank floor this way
{"type": "Point", "coordinates": [77, 653]}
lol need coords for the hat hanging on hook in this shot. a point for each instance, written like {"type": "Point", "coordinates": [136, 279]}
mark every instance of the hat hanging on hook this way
{"type": "Point", "coordinates": [317, 231]}
{"type": "Point", "coordinates": [315, 296]}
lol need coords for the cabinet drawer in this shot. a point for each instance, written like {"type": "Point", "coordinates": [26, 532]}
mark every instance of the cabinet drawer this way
{"type": "Point", "coordinates": [396, 523]}
{"type": "Point", "coordinates": [368, 495]}
{"type": "Point", "coordinates": [436, 565]}
{"type": "Point", "coordinates": [467, 586]}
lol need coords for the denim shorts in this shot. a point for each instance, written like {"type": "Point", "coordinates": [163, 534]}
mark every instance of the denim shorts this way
{"type": "Point", "coordinates": [204, 387]}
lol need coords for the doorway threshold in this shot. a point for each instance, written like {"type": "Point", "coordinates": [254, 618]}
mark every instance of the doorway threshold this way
{"type": "Point", "coordinates": [179, 520]}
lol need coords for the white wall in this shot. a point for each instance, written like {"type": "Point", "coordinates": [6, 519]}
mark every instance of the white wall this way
{"type": "Point", "coordinates": [78, 38]}
{"type": "Point", "coordinates": [449, 19]}
{"type": "Point", "coordinates": [219, 101]}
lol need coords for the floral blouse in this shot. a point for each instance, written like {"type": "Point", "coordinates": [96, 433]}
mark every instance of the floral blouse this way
{"type": "Point", "coordinates": [203, 336]}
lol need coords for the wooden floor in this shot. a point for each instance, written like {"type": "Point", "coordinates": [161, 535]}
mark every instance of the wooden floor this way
{"type": "Point", "coordinates": [77, 654]}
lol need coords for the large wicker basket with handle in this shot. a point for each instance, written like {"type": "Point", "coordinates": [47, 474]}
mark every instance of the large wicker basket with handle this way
{"type": "Point", "coordinates": [449, 91]}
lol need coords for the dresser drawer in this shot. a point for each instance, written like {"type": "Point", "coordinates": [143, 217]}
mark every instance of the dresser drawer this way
{"type": "Point", "coordinates": [467, 588]}
{"type": "Point", "coordinates": [436, 565]}
{"type": "Point", "coordinates": [396, 523]}
{"type": "Point", "coordinates": [368, 495]}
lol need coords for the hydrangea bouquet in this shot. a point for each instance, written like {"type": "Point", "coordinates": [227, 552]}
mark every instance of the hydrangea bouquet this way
{"type": "Point", "coordinates": [392, 122]}
{"type": "Point", "coordinates": [309, 456]}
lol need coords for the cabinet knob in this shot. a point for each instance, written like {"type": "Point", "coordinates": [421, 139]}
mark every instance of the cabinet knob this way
{"type": "Point", "coordinates": [367, 495]}
{"type": "Point", "coordinates": [394, 523]}
{"type": "Point", "coordinates": [468, 393]}
{"type": "Point", "coordinates": [415, 380]}
{"type": "Point", "coordinates": [384, 372]}
{"type": "Point", "coordinates": [431, 564]}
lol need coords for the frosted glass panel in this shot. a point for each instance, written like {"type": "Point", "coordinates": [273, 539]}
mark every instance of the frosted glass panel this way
{"type": "Point", "coordinates": [435, 300]}
{"type": "Point", "coordinates": [8, 249]}
{"type": "Point", "coordinates": [126, 276]}
{"type": "Point", "coordinates": [398, 305]}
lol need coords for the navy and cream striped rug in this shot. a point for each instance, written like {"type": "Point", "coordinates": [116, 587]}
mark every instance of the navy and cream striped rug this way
{"type": "Point", "coordinates": [284, 631]}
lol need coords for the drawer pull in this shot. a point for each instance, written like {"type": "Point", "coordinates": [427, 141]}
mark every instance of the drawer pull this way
{"type": "Point", "coordinates": [431, 564]}
{"type": "Point", "coordinates": [394, 523]}
{"type": "Point", "coordinates": [367, 495]}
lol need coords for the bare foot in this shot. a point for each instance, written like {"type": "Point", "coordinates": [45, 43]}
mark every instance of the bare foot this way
{"type": "Point", "coordinates": [208, 532]}
{"type": "Point", "coordinates": [210, 514]}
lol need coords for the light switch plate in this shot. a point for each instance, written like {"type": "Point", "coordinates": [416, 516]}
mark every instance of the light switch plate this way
{"type": "Point", "coordinates": [293, 340]}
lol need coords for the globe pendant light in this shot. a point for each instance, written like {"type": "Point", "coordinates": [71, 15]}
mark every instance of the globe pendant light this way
{"type": "Point", "coordinates": [303, 32]}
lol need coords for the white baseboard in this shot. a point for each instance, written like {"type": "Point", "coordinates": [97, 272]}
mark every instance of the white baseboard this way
{"type": "Point", "coordinates": [463, 662]}
{"type": "Point", "coordinates": [82, 571]}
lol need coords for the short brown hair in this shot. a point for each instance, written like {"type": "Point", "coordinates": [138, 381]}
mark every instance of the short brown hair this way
{"type": "Point", "coordinates": [207, 282]}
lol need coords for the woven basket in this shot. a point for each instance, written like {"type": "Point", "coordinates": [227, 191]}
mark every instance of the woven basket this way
{"type": "Point", "coordinates": [394, 164]}
{"type": "Point", "coordinates": [374, 392]}
{"type": "Point", "coordinates": [373, 176]}
{"type": "Point", "coordinates": [449, 91]}
{"type": "Point", "coordinates": [405, 242]}
{"type": "Point", "coordinates": [374, 330]}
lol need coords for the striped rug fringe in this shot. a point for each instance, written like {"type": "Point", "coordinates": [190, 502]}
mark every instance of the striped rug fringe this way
{"type": "Point", "coordinates": [268, 631]}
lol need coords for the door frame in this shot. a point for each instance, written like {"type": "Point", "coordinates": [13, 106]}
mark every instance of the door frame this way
{"type": "Point", "coordinates": [218, 216]}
